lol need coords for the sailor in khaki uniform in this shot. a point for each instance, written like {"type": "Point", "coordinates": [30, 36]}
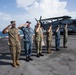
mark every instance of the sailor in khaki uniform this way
{"type": "Point", "coordinates": [38, 40]}
{"type": "Point", "coordinates": [49, 39]}
{"type": "Point", "coordinates": [14, 42]}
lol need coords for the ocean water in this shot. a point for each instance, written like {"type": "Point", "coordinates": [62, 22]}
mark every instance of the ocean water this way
{"type": "Point", "coordinates": [3, 35]}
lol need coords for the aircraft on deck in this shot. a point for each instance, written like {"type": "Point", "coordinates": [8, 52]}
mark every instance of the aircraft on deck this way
{"type": "Point", "coordinates": [58, 21]}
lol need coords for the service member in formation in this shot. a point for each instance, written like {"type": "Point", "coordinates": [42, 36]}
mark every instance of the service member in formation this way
{"type": "Point", "coordinates": [38, 39]}
{"type": "Point", "coordinates": [65, 35]}
{"type": "Point", "coordinates": [14, 42]}
{"type": "Point", "coordinates": [57, 38]}
{"type": "Point", "coordinates": [28, 39]}
{"type": "Point", "coordinates": [49, 39]}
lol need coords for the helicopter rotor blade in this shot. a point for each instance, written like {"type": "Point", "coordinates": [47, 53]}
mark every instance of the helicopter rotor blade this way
{"type": "Point", "coordinates": [36, 20]}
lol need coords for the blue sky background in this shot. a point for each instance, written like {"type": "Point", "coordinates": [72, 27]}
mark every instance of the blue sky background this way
{"type": "Point", "coordinates": [22, 10]}
{"type": "Point", "coordinates": [71, 5]}
{"type": "Point", "coordinates": [10, 7]}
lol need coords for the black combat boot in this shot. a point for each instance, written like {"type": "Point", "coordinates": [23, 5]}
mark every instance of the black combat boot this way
{"type": "Point", "coordinates": [65, 46]}
{"type": "Point", "coordinates": [41, 54]}
{"type": "Point", "coordinates": [30, 58]}
{"type": "Point", "coordinates": [38, 55]}
{"type": "Point", "coordinates": [27, 58]}
{"type": "Point", "coordinates": [57, 49]}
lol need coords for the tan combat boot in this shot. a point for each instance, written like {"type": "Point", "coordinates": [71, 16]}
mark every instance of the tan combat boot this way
{"type": "Point", "coordinates": [14, 63]}
{"type": "Point", "coordinates": [17, 63]}
{"type": "Point", "coordinates": [49, 51]}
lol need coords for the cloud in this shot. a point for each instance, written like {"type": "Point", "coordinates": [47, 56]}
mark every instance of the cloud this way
{"type": "Point", "coordinates": [24, 3]}
{"type": "Point", "coordinates": [4, 20]}
{"type": "Point", "coordinates": [4, 16]}
{"type": "Point", "coordinates": [46, 8]}
{"type": "Point", "coordinates": [36, 8]}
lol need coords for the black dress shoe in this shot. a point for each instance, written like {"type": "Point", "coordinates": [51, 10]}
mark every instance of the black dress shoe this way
{"type": "Point", "coordinates": [41, 54]}
{"type": "Point", "coordinates": [27, 59]}
{"type": "Point", "coordinates": [38, 55]}
{"type": "Point", "coordinates": [30, 58]}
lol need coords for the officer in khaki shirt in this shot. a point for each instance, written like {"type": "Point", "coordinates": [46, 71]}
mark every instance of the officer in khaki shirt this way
{"type": "Point", "coordinates": [38, 40]}
{"type": "Point", "coordinates": [14, 42]}
{"type": "Point", "coordinates": [49, 39]}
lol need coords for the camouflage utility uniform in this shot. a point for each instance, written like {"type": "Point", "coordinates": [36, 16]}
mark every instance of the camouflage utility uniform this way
{"type": "Point", "coordinates": [38, 40]}
{"type": "Point", "coordinates": [65, 35]}
{"type": "Point", "coordinates": [14, 43]}
{"type": "Point", "coordinates": [49, 41]}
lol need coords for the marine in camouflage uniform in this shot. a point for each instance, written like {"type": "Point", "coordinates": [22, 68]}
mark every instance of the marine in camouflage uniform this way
{"type": "Point", "coordinates": [14, 42]}
{"type": "Point", "coordinates": [49, 39]}
{"type": "Point", "coordinates": [38, 40]}
{"type": "Point", "coordinates": [65, 35]}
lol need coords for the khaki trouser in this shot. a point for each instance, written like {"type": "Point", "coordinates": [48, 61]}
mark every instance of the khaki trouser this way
{"type": "Point", "coordinates": [38, 46]}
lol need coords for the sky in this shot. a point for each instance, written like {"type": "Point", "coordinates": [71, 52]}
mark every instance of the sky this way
{"type": "Point", "coordinates": [24, 10]}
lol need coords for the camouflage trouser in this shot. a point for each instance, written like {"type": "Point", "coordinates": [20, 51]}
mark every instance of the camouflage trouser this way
{"type": "Point", "coordinates": [49, 45]}
{"type": "Point", "coordinates": [38, 46]}
{"type": "Point", "coordinates": [15, 51]}
{"type": "Point", "coordinates": [64, 41]}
